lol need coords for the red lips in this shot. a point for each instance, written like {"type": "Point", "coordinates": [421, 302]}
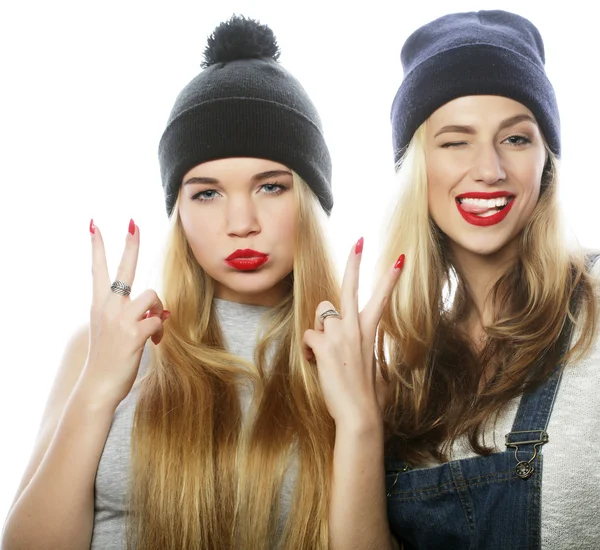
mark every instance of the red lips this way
{"type": "Point", "coordinates": [246, 259]}
{"type": "Point", "coordinates": [484, 221]}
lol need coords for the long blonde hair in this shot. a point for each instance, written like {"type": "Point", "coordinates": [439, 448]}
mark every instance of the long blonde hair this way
{"type": "Point", "coordinates": [435, 376]}
{"type": "Point", "coordinates": [201, 478]}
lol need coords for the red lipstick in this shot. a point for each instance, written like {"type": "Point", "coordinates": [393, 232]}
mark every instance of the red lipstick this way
{"type": "Point", "coordinates": [246, 259]}
{"type": "Point", "coordinates": [484, 221]}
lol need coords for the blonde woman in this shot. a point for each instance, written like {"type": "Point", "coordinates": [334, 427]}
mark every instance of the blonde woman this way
{"type": "Point", "coordinates": [220, 436]}
{"type": "Point", "coordinates": [489, 343]}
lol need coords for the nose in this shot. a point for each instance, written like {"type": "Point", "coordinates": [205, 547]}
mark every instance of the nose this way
{"type": "Point", "coordinates": [241, 217]}
{"type": "Point", "coordinates": [487, 165]}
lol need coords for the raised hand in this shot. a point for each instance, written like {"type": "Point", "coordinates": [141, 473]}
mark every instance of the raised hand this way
{"type": "Point", "coordinates": [119, 326]}
{"type": "Point", "coordinates": [343, 346]}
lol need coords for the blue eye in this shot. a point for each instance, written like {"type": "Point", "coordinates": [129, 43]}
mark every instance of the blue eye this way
{"type": "Point", "coordinates": [517, 140]}
{"type": "Point", "coordinates": [205, 196]}
{"type": "Point", "coordinates": [273, 188]}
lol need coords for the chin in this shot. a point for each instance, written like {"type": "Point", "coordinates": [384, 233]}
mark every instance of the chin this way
{"type": "Point", "coordinates": [484, 247]}
{"type": "Point", "coordinates": [486, 242]}
{"type": "Point", "coordinates": [251, 284]}
{"type": "Point", "coordinates": [485, 251]}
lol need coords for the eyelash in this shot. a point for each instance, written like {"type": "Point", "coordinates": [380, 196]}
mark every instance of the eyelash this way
{"type": "Point", "coordinates": [452, 144]}
{"type": "Point", "coordinates": [523, 141]}
{"type": "Point", "coordinates": [279, 189]}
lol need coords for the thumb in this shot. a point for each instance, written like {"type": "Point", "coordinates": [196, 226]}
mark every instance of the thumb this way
{"type": "Point", "coordinates": [310, 343]}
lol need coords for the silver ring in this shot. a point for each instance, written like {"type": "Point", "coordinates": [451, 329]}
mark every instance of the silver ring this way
{"type": "Point", "coordinates": [119, 287]}
{"type": "Point", "coordinates": [330, 313]}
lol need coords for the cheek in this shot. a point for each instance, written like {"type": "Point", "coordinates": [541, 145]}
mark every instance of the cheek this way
{"type": "Point", "coordinates": [530, 177]}
{"type": "Point", "coordinates": [442, 175]}
{"type": "Point", "coordinates": [536, 188]}
{"type": "Point", "coordinates": [438, 194]}
{"type": "Point", "coordinates": [283, 227]}
{"type": "Point", "coordinates": [533, 198]}
{"type": "Point", "coordinates": [198, 230]}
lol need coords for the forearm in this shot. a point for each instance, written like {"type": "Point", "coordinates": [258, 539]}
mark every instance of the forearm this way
{"type": "Point", "coordinates": [358, 517]}
{"type": "Point", "coordinates": [56, 509]}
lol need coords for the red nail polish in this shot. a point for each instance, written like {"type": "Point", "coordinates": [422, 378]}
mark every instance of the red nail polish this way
{"type": "Point", "coordinates": [359, 246]}
{"type": "Point", "coordinates": [400, 262]}
{"type": "Point", "coordinates": [92, 227]}
{"type": "Point", "coordinates": [131, 227]}
{"type": "Point", "coordinates": [166, 314]}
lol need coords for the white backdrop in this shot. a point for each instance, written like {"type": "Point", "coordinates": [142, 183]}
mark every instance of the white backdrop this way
{"type": "Point", "coordinates": [86, 90]}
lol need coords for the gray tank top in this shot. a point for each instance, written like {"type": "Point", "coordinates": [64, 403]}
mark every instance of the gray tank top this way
{"type": "Point", "coordinates": [240, 325]}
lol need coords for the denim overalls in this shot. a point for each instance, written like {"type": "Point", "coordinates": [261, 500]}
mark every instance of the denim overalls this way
{"type": "Point", "coordinates": [486, 502]}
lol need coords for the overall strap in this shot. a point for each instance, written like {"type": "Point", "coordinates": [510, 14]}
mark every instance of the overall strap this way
{"type": "Point", "coordinates": [531, 422]}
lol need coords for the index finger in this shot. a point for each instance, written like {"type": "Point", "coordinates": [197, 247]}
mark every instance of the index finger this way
{"type": "Point", "coordinates": [349, 290]}
{"type": "Point", "coordinates": [373, 311]}
{"type": "Point", "coordinates": [100, 278]}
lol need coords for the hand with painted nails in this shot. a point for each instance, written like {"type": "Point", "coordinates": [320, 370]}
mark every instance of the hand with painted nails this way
{"type": "Point", "coordinates": [343, 346]}
{"type": "Point", "coordinates": [119, 326]}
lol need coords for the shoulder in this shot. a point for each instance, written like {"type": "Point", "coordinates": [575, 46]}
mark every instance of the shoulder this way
{"type": "Point", "coordinates": [593, 263]}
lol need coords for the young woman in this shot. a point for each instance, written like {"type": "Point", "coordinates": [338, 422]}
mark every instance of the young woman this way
{"type": "Point", "coordinates": [218, 436]}
{"type": "Point", "coordinates": [489, 343]}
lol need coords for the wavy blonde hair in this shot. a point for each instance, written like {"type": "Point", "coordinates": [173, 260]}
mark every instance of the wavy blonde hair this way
{"type": "Point", "coordinates": [437, 392]}
{"type": "Point", "coordinates": [202, 478]}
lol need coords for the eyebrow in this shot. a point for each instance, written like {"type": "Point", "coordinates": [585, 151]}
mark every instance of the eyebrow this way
{"type": "Point", "coordinates": [507, 123]}
{"type": "Point", "coordinates": [256, 177]}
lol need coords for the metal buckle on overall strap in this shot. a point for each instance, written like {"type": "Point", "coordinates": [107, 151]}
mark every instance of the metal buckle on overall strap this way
{"type": "Point", "coordinates": [401, 469]}
{"type": "Point", "coordinates": [537, 438]}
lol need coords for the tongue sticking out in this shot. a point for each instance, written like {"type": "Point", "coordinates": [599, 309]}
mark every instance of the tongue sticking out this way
{"type": "Point", "coordinates": [476, 208]}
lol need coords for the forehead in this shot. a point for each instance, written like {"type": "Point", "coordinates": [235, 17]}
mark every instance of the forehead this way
{"type": "Point", "coordinates": [478, 110]}
{"type": "Point", "coordinates": [235, 168]}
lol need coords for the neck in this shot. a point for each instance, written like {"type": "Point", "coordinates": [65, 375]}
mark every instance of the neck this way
{"type": "Point", "coordinates": [481, 273]}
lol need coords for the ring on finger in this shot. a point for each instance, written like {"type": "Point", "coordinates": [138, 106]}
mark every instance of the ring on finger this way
{"type": "Point", "coordinates": [119, 287]}
{"type": "Point", "coordinates": [330, 313]}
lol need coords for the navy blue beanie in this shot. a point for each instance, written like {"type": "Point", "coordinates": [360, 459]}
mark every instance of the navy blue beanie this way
{"type": "Point", "coordinates": [476, 53]}
{"type": "Point", "coordinates": [244, 104]}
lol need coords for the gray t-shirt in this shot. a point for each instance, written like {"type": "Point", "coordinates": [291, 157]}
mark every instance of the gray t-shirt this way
{"type": "Point", "coordinates": [240, 325]}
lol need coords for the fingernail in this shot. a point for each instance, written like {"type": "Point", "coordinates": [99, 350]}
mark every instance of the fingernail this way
{"type": "Point", "coordinates": [359, 246]}
{"type": "Point", "coordinates": [92, 226]}
{"type": "Point", "coordinates": [166, 314]}
{"type": "Point", "coordinates": [131, 227]}
{"type": "Point", "coordinates": [400, 262]}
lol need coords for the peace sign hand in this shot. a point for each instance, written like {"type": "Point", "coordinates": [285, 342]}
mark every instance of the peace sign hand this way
{"type": "Point", "coordinates": [343, 346]}
{"type": "Point", "coordinates": [119, 326]}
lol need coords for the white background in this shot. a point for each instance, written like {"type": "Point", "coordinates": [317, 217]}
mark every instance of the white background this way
{"type": "Point", "coordinates": [85, 91]}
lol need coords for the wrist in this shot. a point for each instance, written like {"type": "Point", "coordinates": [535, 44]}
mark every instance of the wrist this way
{"type": "Point", "coordinates": [359, 443]}
{"type": "Point", "coordinates": [367, 424]}
{"type": "Point", "coordinates": [89, 397]}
